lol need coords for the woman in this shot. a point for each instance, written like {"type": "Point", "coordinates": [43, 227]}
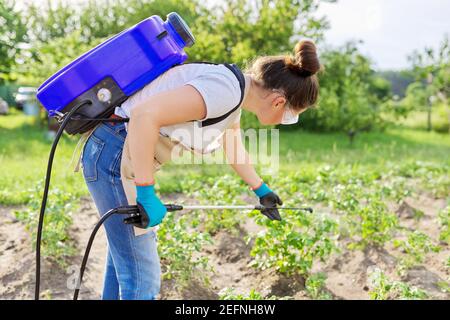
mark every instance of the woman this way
{"type": "Point", "coordinates": [119, 161]}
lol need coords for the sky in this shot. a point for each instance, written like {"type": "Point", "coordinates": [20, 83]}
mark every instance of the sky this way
{"type": "Point", "coordinates": [390, 29]}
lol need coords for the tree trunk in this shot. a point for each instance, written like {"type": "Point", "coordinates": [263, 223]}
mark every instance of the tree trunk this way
{"type": "Point", "coordinates": [443, 98]}
{"type": "Point", "coordinates": [429, 116]}
{"type": "Point", "coordinates": [430, 102]}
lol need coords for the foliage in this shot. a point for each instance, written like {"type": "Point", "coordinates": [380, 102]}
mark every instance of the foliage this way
{"type": "Point", "coordinates": [434, 63]}
{"type": "Point", "coordinates": [225, 189]}
{"type": "Point", "coordinates": [315, 285]}
{"type": "Point", "coordinates": [245, 28]}
{"type": "Point", "coordinates": [399, 81]}
{"type": "Point", "coordinates": [384, 288]}
{"type": "Point", "coordinates": [292, 245]}
{"type": "Point", "coordinates": [351, 93]}
{"type": "Point", "coordinates": [12, 38]}
{"type": "Point", "coordinates": [374, 225]}
{"type": "Point", "coordinates": [415, 247]}
{"type": "Point", "coordinates": [229, 294]}
{"type": "Point", "coordinates": [56, 243]}
{"type": "Point", "coordinates": [359, 201]}
{"type": "Point", "coordinates": [178, 244]}
{"type": "Point", "coordinates": [431, 88]}
{"type": "Point", "coordinates": [97, 19]}
{"type": "Point", "coordinates": [433, 178]}
{"type": "Point", "coordinates": [444, 221]}
{"type": "Point", "coordinates": [52, 56]}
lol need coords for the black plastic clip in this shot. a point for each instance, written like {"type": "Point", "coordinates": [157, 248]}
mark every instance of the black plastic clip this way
{"type": "Point", "coordinates": [139, 219]}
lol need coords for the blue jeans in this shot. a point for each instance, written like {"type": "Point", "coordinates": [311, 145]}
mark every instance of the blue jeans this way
{"type": "Point", "coordinates": [132, 266]}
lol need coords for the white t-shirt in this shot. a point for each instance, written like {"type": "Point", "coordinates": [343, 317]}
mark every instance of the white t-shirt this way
{"type": "Point", "coordinates": [220, 90]}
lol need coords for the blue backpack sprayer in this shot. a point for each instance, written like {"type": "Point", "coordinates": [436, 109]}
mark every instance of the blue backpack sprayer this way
{"type": "Point", "coordinates": [86, 91]}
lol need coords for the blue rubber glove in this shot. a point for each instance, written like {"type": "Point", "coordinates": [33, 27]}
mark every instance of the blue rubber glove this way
{"type": "Point", "coordinates": [154, 208]}
{"type": "Point", "coordinates": [268, 199]}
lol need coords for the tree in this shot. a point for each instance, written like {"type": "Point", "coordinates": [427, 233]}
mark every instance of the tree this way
{"type": "Point", "coordinates": [52, 56]}
{"type": "Point", "coordinates": [60, 32]}
{"type": "Point", "coordinates": [243, 29]}
{"type": "Point", "coordinates": [99, 18]}
{"type": "Point", "coordinates": [432, 72]}
{"type": "Point", "coordinates": [12, 38]}
{"type": "Point", "coordinates": [350, 94]}
{"type": "Point", "coordinates": [400, 80]}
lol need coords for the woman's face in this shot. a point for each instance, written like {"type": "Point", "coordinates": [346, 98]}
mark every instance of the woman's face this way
{"type": "Point", "coordinates": [272, 107]}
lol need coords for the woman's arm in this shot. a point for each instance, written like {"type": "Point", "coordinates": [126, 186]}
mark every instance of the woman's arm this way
{"type": "Point", "coordinates": [243, 167]}
{"type": "Point", "coordinates": [166, 108]}
{"type": "Point", "coordinates": [238, 157]}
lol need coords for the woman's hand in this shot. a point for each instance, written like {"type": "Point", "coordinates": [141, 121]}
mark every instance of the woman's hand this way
{"type": "Point", "coordinates": [155, 209]}
{"type": "Point", "coordinates": [268, 199]}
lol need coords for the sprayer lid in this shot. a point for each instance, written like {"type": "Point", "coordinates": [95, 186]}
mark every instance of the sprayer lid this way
{"type": "Point", "coordinates": [181, 28]}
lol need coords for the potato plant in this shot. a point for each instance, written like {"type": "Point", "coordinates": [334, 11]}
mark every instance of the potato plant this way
{"type": "Point", "coordinates": [178, 245]}
{"type": "Point", "coordinates": [292, 245]}
{"type": "Point", "coordinates": [373, 224]}
{"type": "Point", "coordinates": [315, 285]}
{"type": "Point", "coordinates": [223, 190]}
{"type": "Point", "coordinates": [444, 222]}
{"type": "Point", "coordinates": [56, 243]}
{"type": "Point", "coordinates": [414, 248]}
{"type": "Point", "coordinates": [434, 178]}
{"type": "Point", "coordinates": [383, 288]}
{"type": "Point", "coordinates": [230, 294]}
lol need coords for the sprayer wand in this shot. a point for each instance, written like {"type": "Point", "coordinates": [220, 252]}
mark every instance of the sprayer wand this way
{"type": "Point", "coordinates": [232, 207]}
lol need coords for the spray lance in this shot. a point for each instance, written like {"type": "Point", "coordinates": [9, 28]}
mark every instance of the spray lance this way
{"type": "Point", "coordinates": [138, 217]}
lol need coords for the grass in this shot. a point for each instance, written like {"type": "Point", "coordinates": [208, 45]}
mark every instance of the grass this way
{"type": "Point", "coordinates": [419, 120]}
{"type": "Point", "coordinates": [24, 151]}
{"type": "Point", "coordinates": [369, 149]}
{"type": "Point", "coordinates": [306, 150]}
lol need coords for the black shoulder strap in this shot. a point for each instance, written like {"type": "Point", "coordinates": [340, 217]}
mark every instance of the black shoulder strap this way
{"type": "Point", "coordinates": [240, 76]}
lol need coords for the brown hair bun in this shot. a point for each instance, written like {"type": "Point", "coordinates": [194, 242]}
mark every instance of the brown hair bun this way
{"type": "Point", "coordinates": [305, 61]}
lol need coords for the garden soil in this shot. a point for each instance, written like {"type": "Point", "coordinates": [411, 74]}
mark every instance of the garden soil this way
{"type": "Point", "coordinates": [229, 256]}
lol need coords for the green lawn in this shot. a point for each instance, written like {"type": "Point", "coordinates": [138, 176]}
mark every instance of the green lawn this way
{"type": "Point", "coordinates": [24, 152]}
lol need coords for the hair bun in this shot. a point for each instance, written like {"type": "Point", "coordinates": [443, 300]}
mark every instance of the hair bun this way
{"type": "Point", "coordinates": [305, 61]}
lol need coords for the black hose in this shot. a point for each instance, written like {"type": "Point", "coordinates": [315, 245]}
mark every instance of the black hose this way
{"type": "Point", "coordinates": [79, 118]}
{"type": "Point", "coordinates": [66, 119]}
{"type": "Point", "coordinates": [88, 250]}
{"type": "Point", "coordinates": [136, 211]}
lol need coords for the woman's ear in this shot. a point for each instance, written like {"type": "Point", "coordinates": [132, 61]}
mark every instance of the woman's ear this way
{"type": "Point", "coordinates": [279, 101]}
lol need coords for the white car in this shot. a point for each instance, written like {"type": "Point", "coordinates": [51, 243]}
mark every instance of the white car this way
{"type": "Point", "coordinates": [4, 108]}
